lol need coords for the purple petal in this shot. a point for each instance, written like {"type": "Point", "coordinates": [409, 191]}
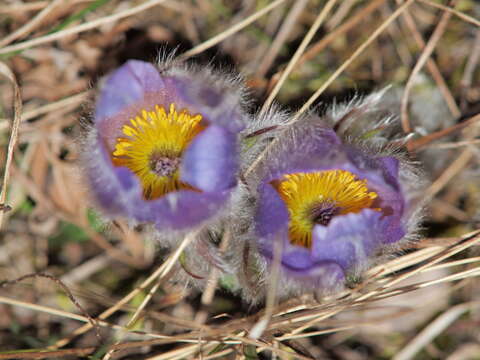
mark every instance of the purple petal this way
{"type": "Point", "coordinates": [307, 153]}
{"type": "Point", "coordinates": [272, 214]}
{"type": "Point", "coordinates": [210, 162]}
{"type": "Point", "coordinates": [349, 239]}
{"type": "Point", "coordinates": [119, 192]}
{"type": "Point", "coordinates": [107, 184]}
{"type": "Point", "coordinates": [125, 86]}
{"type": "Point", "coordinates": [385, 167]}
{"type": "Point", "coordinates": [297, 262]}
{"type": "Point", "coordinates": [393, 229]}
{"type": "Point", "coordinates": [218, 105]}
{"type": "Point", "coordinates": [324, 276]}
{"type": "Point", "coordinates": [180, 210]}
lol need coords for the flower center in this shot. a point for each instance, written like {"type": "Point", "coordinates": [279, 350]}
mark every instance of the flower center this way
{"type": "Point", "coordinates": [315, 198]}
{"type": "Point", "coordinates": [164, 165]}
{"type": "Point", "coordinates": [153, 146]}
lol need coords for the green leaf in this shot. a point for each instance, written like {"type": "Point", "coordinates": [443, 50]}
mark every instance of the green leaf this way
{"type": "Point", "coordinates": [250, 352]}
{"type": "Point", "coordinates": [99, 353]}
{"type": "Point", "coordinates": [95, 220]}
{"type": "Point", "coordinates": [67, 233]}
{"type": "Point", "coordinates": [217, 349]}
{"type": "Point", "coordinates": [369, 134]}
{"type": "Point", "coordinates": [79, 15]}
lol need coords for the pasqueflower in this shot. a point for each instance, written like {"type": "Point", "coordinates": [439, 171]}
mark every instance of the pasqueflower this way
{"type": "Point", "coordinates": [163, 146]}
{"type": "Point", "coordinates": [330, 205]}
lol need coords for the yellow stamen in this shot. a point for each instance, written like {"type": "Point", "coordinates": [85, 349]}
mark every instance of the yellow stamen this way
{"type": "Point", "coordinates": [314, 198]}
{"type": "Point", "coordinates": [153, 145]}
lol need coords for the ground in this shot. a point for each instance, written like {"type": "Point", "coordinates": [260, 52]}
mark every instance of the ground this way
{"type": "Point", "coordinates": [62, 268]}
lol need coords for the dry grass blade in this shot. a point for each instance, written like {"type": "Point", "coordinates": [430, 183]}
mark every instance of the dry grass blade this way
{"type": "Point", "coordinates": [64, 288]}
{"type": "Point", "coordinates": [340, 69]}
{"type": "Point", "coordinates": [427, 52]}
{"type": "Point", "coordinates": [455, 145]}
{"type": "Point", "coordinates": [258, 329]}
{"type": "Point", "coordinates": [230, 31]}
{"type": "Point", "coordinates": [137, 313]}
{"type": "Point", "coordinates": [281, 37]}
{"type": "Point", "coordinates": [300, 50]}
{"type": "Point", "coordinates": [45, 109]}
{"type": "Point", "coordinates": [342, 29]}
{"type": "Point", "coordinates": [160, 273]}
{"type": "Point", "coordinates": [17, 113]}
{"type": "Point", "coordinates": [417, 144]}
{"type": "Point", "coordinates": [383, 289]}
{"type": "Point", "coordinates": [167, 266]}
{"type": "Point", "coordinates": [37, 20]}
{"type": "Point", "coordinates": [431, 64]}
{"type": "Point", "coordinates": [449, 173]}
{"type": "Point", "coordinates": [460, 14]}
{"type": "Point", "coordinates": [45, 309]}
{"type": "Point", "coordinates": [209, 292]}
{"type": "Point", "coordinates": [464, 243]}
{"type": "Point", "coordinates": [23, 7]}
{"type": "Point", "coordinates": [80, 28]}
{"type": "Point", "coordinates": [405, 261]}
{"type": "Point", "coordinates": [354, 56]}
{"type": "Point", "coordinates": [471, 65]}
{"type": "Point", "coordinates": [263, 346]}
{"type": "Point", "coordinates": [433, 330]}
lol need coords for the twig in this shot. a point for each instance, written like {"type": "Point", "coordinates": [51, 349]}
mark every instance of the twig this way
{"type": "Point", "coordinates": [427, 51]}
{"type": "Point", "coordinates": [416, 144]}
{"type": "Point", "coordinates": [64, 288]}
{"type": "Point", "coordinates": [433, 330]}
{"type": "Point", "coordinates": [230, 31]}
{"type": "Point", "coordinates": [301, 48]}
{"type": "Point", "coordinates": [454, 168]}
{"type": "Point", "coordinates": [431, 65]}
{"type": "Point", "coordinates": [29, 26]}
{"type": "Point", "coordinates": [81, 28]}
{"type": "Point", "coordinates": [160, 273]}
{"type": "Point", "coordinates": [460, 14]}
{"type": "Point", "coordinates": [281, 37]}
{"type": "Point", "coordinates": [310, 101]}
{"type": "Point", "coordinates": [353, 57]}
{"type": "Point", "coordinates": [17, 111]}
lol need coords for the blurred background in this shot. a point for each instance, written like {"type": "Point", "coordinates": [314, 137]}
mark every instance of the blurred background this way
{"type": "Point", "coordinates": [78, 266]}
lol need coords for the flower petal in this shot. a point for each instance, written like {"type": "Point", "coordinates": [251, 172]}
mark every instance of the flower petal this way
{"type": "Point", "coordinates": [272, 214]}
{"type": "Point", "coordinates": [180, 210]}
{"type": "Point", "coordinates": [349, 240]}
{"type": "Point", "coordinates": [125, 86]}
{"type": "Point", "coordinates": [214, 98]}
{"type": "Point", "coordinates": [210, 162]}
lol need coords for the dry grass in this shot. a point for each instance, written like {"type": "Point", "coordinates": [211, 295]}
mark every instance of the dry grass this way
{"type": "Point", "coordinates": [73, 288]}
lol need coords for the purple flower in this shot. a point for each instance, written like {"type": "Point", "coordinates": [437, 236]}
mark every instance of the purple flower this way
{"type": "Point", "coordinates": [331, 206]}
{"type": "Point", "coordinates": [163, 147]}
